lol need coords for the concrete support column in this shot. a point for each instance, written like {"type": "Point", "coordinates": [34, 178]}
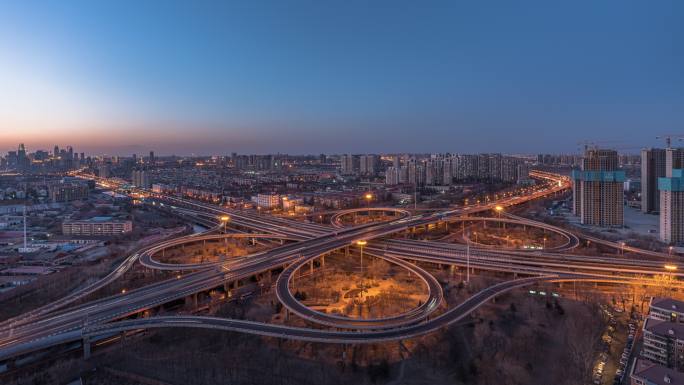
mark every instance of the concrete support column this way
{"type": "Point", "coordinates": [311, 266]}
{"type": "Point", "coordinates": [346, 251]}
{"type": "Point", "coordinates": [86, 347]}
{"type": "Point", "coordinates": [323, 261]}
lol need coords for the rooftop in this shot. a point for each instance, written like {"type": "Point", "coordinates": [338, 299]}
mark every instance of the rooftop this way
{"type": "Point", "coordinates": [657, 374]}
{"type": "Point", "coordinates": [667, 304]}
{"type": "Point", "coordinates": [665, 328]}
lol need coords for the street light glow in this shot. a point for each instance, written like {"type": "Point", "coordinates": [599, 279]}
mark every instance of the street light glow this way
{"type": "Point", "coordinates": [498, 208]}
{"type": "Point", "coordinates": [670, 267]}
{"type": "Point", "coordinates": [369, 196]}
{"type": "Point", "coordinates": [361, 243]}
{"type": "Point", "coordinates": [224, 218]}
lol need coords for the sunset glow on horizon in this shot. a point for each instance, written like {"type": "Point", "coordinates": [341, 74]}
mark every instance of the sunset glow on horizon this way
{"type": "Point", "coordinates": [220, 77]}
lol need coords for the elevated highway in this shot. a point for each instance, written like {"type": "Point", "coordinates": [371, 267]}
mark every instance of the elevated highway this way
{"type": "Point", "coordinates": [101, 317]}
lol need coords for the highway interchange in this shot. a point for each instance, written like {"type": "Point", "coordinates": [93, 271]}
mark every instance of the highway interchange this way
{"type": "Point", "coordinates": [304, 243]}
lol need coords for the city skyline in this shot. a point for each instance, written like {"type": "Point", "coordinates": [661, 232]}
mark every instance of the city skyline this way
{"type": "Point", "coordinates": [215, 78]}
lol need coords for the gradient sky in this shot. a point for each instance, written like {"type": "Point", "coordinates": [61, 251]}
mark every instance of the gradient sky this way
{"type": "Point", "coordinates": [340, 76]}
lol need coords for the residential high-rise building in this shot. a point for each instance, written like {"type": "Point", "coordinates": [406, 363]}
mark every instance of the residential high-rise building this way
{"type": "Point", "coordinates": [140, 178]}
{"type": "Point", "coordinates": [368, 165]}
{"type": "Point", "coordinates": [672, 206]}
{"type": "Point", "coordinates": [598, 187]}
{"type": "Point", "coordinates": [653, 162]}
{"type": "Point", "coordinates": [349, 164]}
{"type": "Point", "coordinates": [391, 176]}
{"type": "Point", "coordinates": [103, 171]}
{"type": "Point", "coordinates": [152, 160]}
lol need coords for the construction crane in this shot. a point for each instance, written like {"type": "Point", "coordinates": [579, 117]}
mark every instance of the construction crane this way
{"type": "Point", "coordinates": [668, 138]}
{"type": "Point", "coordinates": [595, 143]}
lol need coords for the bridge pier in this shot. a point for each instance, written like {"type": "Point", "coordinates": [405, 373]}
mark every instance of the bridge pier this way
{"type": "Point", "coordinates": [86, 347]}
{"type": "Point", "coordinates": [191, 300]}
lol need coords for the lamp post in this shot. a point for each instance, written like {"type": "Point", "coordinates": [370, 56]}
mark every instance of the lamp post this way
{"type": "Point", "coordinates": [468, 260]}
{"type": "Point", "coordinates": [361, 244]}
{"type": "Point", "coordinates": [669, 250]}
{"type": "Point", "coordinates": [224, 221]}
{"type": "Point", "coordinates": [368, 197]}
{"type": "Point", "coordinates": [498, 210]}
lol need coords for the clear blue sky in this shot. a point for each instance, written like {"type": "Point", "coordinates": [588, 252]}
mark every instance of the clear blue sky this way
{"type": "Point", "coordinates": [345, 76]}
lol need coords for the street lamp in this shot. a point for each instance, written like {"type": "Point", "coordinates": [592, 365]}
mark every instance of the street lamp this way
{"type": "Point", "coordinates": [361, 244]}
{"type": "Point", "coordinates": [368, 197]}
{"type": "Point", "coordinates": [498, 210]}
{"type": "Point", "coordinates": [669, 250]}
{"type": "Point", "coordinates": [224, 220]}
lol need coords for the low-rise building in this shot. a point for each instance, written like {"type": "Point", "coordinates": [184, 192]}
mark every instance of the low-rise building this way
{"type": "Point", "coordinates": [96, 226]}
{"type": "Point", "coordinates": [666, 309]}
{"type": "Point", "coordinates": [664, 343]}
{"type": "Point", "coordinates": [269, 201]}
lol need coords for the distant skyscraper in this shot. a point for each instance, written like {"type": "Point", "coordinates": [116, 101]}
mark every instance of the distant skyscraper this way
{"type": "Point", "coordinates": [152, 160]}
{"type": "Point", "coordinates": [652, 168]}
{"type": "Point", "coordinates": [22, 159]}
{"type": "Point", "coordinates": [599, 188]}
